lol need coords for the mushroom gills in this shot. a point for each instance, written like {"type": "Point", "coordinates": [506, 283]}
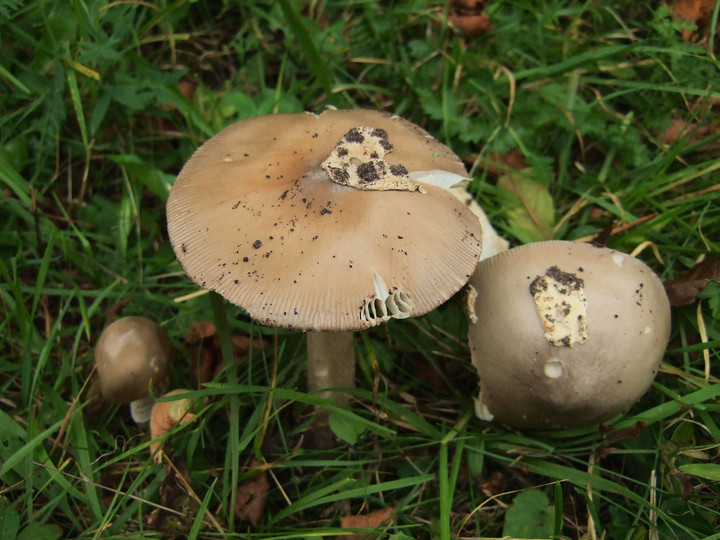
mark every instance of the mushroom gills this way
{"type": "Point", "coordinates": [386, 304]}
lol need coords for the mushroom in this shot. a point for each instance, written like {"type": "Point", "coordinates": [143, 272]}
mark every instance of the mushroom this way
{"type": "Point", "coordinates": [564, 334]}
{"type": "Point", "coordinates": [314, 223]}
{"type": "Point", "coordinates": [492, 242]}
{"type": "Point", "coordinates": [131, 353]}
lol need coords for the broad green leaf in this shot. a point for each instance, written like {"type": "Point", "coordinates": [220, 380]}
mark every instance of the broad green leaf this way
{"type": "Point", "coordinates": [35, 531]}
{"type": "Point", "coordinates": [154, 179]}
{"type": "Point", "coordinates": [345, 427]}
{"type": "Point", "coordinates": [12, 438]}
{"type": "Point", "coordinates": [530, 516]}
{"type": "Point", "coordinates": [529, 211]}
{"type": "Point", "coordinates": [9, 523]}
{"type": "Point", "coordinates": [708, 471]}
{"type": "Point", "coordinates": [15, 152]}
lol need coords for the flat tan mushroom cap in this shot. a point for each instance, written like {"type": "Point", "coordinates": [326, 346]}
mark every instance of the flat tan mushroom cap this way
{"type": "Point", "coordinates": [593, 352]}
{"type": "Point", "coordinates": [253, 216]}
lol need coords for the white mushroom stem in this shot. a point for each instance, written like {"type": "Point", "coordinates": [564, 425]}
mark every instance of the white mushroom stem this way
{"type": "Point", "coordinates": [141, 409]}
{"type": "Point", "coordinates": [331, 363]}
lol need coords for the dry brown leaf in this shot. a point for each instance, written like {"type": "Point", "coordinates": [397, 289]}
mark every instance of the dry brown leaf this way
{"type": "Point", "coordinates": [436, 374]}
{"type": "Point", "coordinates": [683, 291]}
{"type": "Point", "coordinates": [690, 133]}
{"type": "Point", "coordinates": [206, 359]}
{"type": "Point", "coordinates": [632, 432]}
{"type": "Point", "coordinates": [686, 488]}
{"type": "Point", "coordinates": [373, 520]}
{"type": "Point", "coordinates": [112, 312]}
{"type": "Point", "coordinates": [493, 485]}
{"type": "Point", "coordinates": [498, 163]}
{"type": "Point", "coordinates": [471, 25]}
{"type": "Point", "coordinates": [164, 416]}
{"type": "Point", "coordinates": [469, 18]}
{"type": "Point", "coordinates": [697, 11]}
{"type": "Point", "coordinates": [187, 88]}
{"type": "Point", "coordinates": [251, 496]}
{"type": "Point", "coordinates": [199, 331]}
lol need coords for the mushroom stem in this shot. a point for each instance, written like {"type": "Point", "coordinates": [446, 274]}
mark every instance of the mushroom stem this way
{"type": "Point", "coordinates": [140, 409]}
{"type": "Point", "coordinates": [331, 363]}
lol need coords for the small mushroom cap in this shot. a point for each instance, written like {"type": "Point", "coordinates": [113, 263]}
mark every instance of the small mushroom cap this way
{"type": "Point", "coordinates": [567, 334]}
{"type": "Point", "coordinates": [255, 216]}
{"type": "Point", "coordinates": [131, 352]}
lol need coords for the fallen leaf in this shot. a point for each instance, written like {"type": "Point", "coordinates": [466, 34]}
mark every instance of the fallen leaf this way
{"type": "Point", "coordinates": [632, 432]}
{"type": "Point", "coordinates": [602, 237]}
{"type": "Point", "coordinates": [471, 25]}
{"type": "Point", "coordinates": [696, 11]}
{"type": "Point", "coordinates": [493, 485]}
{"type": "Point", "coordinates": [469, 17]}
{"type": "Point", "coordinates": [373, 520]}
{"type": "Point", "coordinates": [498, 163]}
{"type": "Point", "coordinates": [424, 370]}
{"type": "Point", "coordinates": [112, 312]}
{"type": "Point", "coordinates": [164, 416]}
{"type": "Point", "coordinates": [251, 496]}
{"type": "Point", "coordinates": [686, 488]}
{"type": "Point", "coordinates": [187, 88]}
{"type": "Point", "coordinates": [683, 291]}
{"type": "Point", "coordinates": [530, 212]}
{"type": "Point", "coordinates": [199, 331]}
{"type": "Point", "coordinates": [680, 128]}
{"type": "Point", "coordinates": [206, 359]}
{"type": "Point", "coordinates": [690, 133]}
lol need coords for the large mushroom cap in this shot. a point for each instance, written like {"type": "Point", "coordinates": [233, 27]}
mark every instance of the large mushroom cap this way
{"type": "Point", "coordinates": [131, 352]}
{"type": "Point", "coordinates": [255, 216]}
{"type": "Point", "coordinates": [567, 334]}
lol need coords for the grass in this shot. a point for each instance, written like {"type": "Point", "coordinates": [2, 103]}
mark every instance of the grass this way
{"type": "Point", "coordinates": [102, 103]}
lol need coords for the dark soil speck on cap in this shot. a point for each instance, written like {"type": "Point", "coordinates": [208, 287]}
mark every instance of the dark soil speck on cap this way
{"type": "Point", "coordinates": [340, 176]}
{"type": "Point", "coordinates": [367, 173]}
{"type": "Point", "coordinates": [398, 170]}
{"type": "Point", "coordinates": [566, 278]}
{"type": "Point", "coordinates": [354, 135]}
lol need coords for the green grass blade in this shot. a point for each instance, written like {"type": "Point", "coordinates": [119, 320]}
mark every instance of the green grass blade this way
{"type": "Point", "coordinates": [317, 65]}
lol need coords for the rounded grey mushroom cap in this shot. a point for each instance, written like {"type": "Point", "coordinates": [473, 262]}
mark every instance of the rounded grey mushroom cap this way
{"type": "Point", "coordinates": [314, 222]}
{"type": "Point", "coordinates": [567, 334]}
{"type": "Point", "coordinates": [131, 352]}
